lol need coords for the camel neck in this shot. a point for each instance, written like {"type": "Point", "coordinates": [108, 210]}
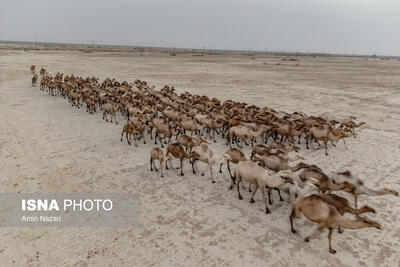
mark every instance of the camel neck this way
{"type": "Point", "coordinates": [345, 223]}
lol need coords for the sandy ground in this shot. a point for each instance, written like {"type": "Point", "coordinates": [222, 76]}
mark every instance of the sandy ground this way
{"type": "Point", "coordinates": [48, 146]}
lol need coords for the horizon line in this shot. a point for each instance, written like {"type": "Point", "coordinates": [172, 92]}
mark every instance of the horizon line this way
{"type": "Point", "coordinates": [296, 53]}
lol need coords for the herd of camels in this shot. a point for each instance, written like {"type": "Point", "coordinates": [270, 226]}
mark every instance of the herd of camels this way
{"type": "Point", "coordinates": [275, 164]}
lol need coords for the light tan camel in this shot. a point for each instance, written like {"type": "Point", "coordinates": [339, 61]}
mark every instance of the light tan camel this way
{"type": "Point", "coordinates": [156, 153]}
{"type": "Point", "coordinates": [325, 135]}
{"type": "Point", "coordinates": [109, 108]}
{"type": "Point", "coordinates": [242, 132]}
{"type": "Point", "coordinates": [254, 174]}
{"type": "Point", "coordinates": [205, 154]}
{"type": "Point", "coordinates": [277, 163]}
{"type": "Point", "coordinates": [358, 188]}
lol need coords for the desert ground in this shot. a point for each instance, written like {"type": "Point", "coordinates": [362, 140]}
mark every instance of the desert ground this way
{"type": "Point", "coordinates": [48, 146]}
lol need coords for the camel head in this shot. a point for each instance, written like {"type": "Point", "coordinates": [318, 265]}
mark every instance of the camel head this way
{"type": "Point", "coordinates": [369, 222]}
{"type": "Point", "coordinates": [367, 208]}
{"type": "Point", "coordinates": [393, 192]}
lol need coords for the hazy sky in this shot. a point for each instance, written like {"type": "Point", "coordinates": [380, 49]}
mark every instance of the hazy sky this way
{"type": "Point", "coordinates": [336, 26]}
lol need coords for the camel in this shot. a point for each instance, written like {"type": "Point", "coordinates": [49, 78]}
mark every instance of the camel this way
{"type": "Point", "coordinates": [254, 174]}
{"type": "Point", "coordinates": [244, 133]}
{"type": "Point", "coordinates": [298, 188]}
{"type": "Point", "coordinates": [277, 163]}
{"type": "Point", "coordinates": [34, 79]}
{"type": "Point", "coordinates": [189, 141]}
{"type": "Point", "coordinates": [167, 131]}
{"type": "Point", "coordinates": [342, 205]}
{"type": "Point", "coordinates": [156, 153]}
{"type": "Point", "coordinates": [325, 135]}
{"type": "Point", "coordinates": [110, 108]}
{"type": "Point", "coordinates": [351, 125]}
{"type": "Point", "coordinates": [177, 151]}
{"type": "Point", "coordinates": [206, 155]}
{"type": "Point", "coordinates": [129, 129]}
{"type": "Point", "coordinates": [188, 124]}
{"type": "Point", "coordinates": [281, 146]}
{"type": "Point", "coordinates": [358, 188]}
{"type": "Point", "coordinates": [211, 125]}
{"type": "Point", "coordinates": [262, 150]}
{"type": "Point", "coordinates": [235, 156]}
{"type": "Point", "coordinates": [317, 210]}
{"type": "Point", "coordinates": [317, 177]}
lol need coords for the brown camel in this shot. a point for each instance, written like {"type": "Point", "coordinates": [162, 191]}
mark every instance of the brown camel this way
{"type": "Point", "coordinates": [178, 152]}
{"type": "Point", "coordinates": [317, 210]}
{"type": "Point", "coordinates": [342, 206]}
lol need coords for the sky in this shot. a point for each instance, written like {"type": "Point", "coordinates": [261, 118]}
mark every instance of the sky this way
{"type": "Point", "coordinates": [329, 26]}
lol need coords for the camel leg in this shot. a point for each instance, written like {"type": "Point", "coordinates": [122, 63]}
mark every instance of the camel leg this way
{"type": "Point", "coordinates": [269, 196]}
{"type": "Point", "coordinates": [314, 234]}
{"type": "Point", "coordinates": [326, 148]}
{"type": "Point", "coordinates": [236, 141]}
{"type": "Point", "coordinates": [212, 175]}
{"type": "Point", "coordinates": [229, 169]}
{"type": "Point", "coordinates": [182, 167]}
{"type": "Point", "coordinates": [330, 241]}
{"type": "Point", "coordinates": [267, 211]}
{"type": "Point", "coordinates": [279, 193]}
{"type": "Point", "coordinates": [214, 136]}
{"type": "Point", "coordinates": [193, 160]}
{"type": "Point", "coordinates": [122, 135]}
{"type": "Point", "coordinates": [237, 186]}
{"type": "Point", "coordinates": [292, 216]}
{"type": "Point", "coordinates": [355, 201]}
{"type": "Point", "coordinates": [254, 192]}
{"type": "Point", "coordinates": [155, 138]}
{"type": "Point", "coordinates": [127, 140]}
{"type": "Point", "coordinates": [162, 175]}
{"type": "Point", "coordinates": [155, 167]}
{"type": "Point", "coordinates": [249, 187]}
{"type": "Point", "coordinates": [344, 142]}
{"type": "Point", "coordinates": [166, 162]}
{"type": "Point", "coordinates": [233, 181]}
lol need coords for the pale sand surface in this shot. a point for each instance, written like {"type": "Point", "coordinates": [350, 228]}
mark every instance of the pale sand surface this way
{"type": "Point", "coordinates": [48, 146]}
